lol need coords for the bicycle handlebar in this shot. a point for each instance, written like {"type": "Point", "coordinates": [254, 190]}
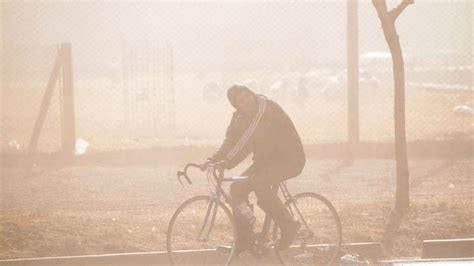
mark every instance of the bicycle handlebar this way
{"type": "Point", "coordinates": [184, 173]}
{"type": "Point", "coordinates": [185, 170]}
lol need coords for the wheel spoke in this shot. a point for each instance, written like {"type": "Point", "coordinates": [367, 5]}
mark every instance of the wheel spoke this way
{"type": "Point", "coordinates": [198, 225]}
{"type": "Point", "coordinates": [319, 240]}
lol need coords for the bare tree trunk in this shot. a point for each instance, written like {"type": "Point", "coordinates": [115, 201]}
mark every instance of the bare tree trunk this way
{"type": "Point", "coordinates": [388, 19]}
{"type": "Point", "coordinates": [402, 193]}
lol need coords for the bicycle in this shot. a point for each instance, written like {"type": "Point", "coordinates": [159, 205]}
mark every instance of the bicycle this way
{"type": "Point", "coordinates": [203, 225]}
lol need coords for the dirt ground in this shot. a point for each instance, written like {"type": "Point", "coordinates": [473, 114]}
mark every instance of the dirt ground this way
{"type": "Point", "coordinates": [97, 208]}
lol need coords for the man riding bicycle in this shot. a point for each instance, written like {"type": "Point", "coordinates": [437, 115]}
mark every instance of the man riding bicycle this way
{"type": "Point", "coordinates": [260, 126]}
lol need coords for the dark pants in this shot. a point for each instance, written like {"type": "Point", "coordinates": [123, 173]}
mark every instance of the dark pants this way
{"type": "Point", "coordinates": [261, 178]}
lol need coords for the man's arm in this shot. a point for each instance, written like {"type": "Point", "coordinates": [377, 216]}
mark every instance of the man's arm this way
{"type": "Point", "coordinates": [237, 144]}
{"type": "Point", "coordinates": [234, 130]}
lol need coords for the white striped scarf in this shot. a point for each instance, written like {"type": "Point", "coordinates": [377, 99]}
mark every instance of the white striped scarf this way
{"type": "Point", "coordinates": [262, 102]}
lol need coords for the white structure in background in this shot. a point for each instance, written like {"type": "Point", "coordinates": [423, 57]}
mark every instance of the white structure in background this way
{"type": "Point", "coordinates": [81, 147]}
{"type": "Point", "coordinates": [316, 77]}
{"type": "Point", "coordinates": [212, 91]}
{"type": "Point", "coordinates": [252, 84]}
{"type": "Point", "coordinates": [333, 84]}
{"type": "Point", "coordinates": [301, 92]}
{"type": "Point", "coordinates": [381, 60]}
{"type": "Point", "coordinates": [338, 83]}
{"type": "Point", "coordinates": [278, 90]}
{"type": "Point", "coordinates": [439, 86]}
{"type": "Point", "coordinates": [14, 144]}
{"type": "Point", "coordinates": [463, 110]}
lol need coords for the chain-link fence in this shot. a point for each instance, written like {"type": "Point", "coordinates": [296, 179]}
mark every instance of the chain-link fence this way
{"type": "Point", "coordinates": [25, 74]}
{"type": "Point", "coordinates": [148, 74]}
{"type": "Point", "coordinates": [436, 40]}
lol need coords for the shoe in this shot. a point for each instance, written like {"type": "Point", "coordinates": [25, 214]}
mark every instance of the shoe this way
{"type": "Point", "coordinates": [288, 234]}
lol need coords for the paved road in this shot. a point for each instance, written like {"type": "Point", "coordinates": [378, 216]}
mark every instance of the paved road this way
{"type": "Point", "coordinates": [431, 262]}
{"type": "Point", "coordinates": [160, 258]}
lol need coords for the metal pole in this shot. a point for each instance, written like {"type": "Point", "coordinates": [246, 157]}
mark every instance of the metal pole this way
{"type": "Point", "coordinates": [353, 76]}
{"type": "Point", "coordinates": [69, 127]}
{"type": "Point", "coordinates": [45, 103]}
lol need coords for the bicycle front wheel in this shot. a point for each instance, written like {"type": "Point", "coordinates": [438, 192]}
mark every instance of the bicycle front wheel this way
{"type": "Point", "coordinates": [201, 232]}
{"type": "Point", "coordinates": [319, 239]}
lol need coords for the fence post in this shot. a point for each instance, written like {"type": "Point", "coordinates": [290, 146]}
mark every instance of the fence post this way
{"type": "Point", "coordinates": [68, 119]}
{"type": "Point", "coordinates": [35, 134]}
{"type": "Point", "coordinates": [352, 76]}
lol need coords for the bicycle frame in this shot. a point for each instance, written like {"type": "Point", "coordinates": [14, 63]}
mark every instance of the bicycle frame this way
{"type": "Point", "coordinates": [219, 192]}
{"type": "Point", "coordinates": [212, 208]}
{"type": "Point", "coordinates": [264, 240]}
{"type": "Point", "coordinates": [289, 198]}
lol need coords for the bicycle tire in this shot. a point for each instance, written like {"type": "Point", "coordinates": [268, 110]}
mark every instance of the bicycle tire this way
{"type": "Point", "coordinates": [177, 238]}
{"type": "Point", "coordinates": [313, 252]}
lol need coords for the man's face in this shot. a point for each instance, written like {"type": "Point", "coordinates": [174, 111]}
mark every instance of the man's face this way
{"type": "Point", "coordinates": [246, 102]}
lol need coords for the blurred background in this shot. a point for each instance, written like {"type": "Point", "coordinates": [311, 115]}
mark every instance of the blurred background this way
{"type": "Point", "coordinates": [148, 92]}
{"type": "Point", "coordinates": [155, 74]}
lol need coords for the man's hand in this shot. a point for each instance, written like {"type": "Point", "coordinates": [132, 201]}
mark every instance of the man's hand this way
{"type": "Point", "coordinates": [211, 165]}
{"type": "Point", "coordinates": [205, 165]}
{"type": "Point", "coordinates": [221, 165]}
{"type": "Point", "coordinates": [208, 165]}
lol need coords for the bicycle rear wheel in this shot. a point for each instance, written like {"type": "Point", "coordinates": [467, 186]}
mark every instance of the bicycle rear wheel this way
{"type": "Point", "coordinates": [319, 239]}
{"type": "Point", "coordinates": [197, 231]}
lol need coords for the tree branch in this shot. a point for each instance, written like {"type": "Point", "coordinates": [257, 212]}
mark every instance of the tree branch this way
{"type": "Point", "coordinates": [381, 7]}
{"type": "Point", "coordinates": [394, 13]}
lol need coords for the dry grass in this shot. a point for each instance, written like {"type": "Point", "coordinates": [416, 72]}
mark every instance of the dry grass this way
{"type": "Point", "coordinates": [97, 209]}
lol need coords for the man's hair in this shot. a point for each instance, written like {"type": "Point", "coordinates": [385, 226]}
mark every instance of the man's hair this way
{"type": "Point", "coordinates": [234, 90]}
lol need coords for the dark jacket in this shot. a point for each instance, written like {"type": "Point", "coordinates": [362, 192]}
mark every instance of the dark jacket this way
{"type": "Point", "coordinates": [269, 134]}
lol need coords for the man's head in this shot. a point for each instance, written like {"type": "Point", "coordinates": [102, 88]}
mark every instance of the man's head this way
{"type": "Point", "coordinates": [243, 99]}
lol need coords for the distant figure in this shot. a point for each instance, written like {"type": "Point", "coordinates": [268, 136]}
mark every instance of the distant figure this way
{"type": "Point", "coordinates": [260, 126]}
{"type": "Point", "coordinates": [301, 92]}
{"type": "Point", "coordinates": [212, 91]}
